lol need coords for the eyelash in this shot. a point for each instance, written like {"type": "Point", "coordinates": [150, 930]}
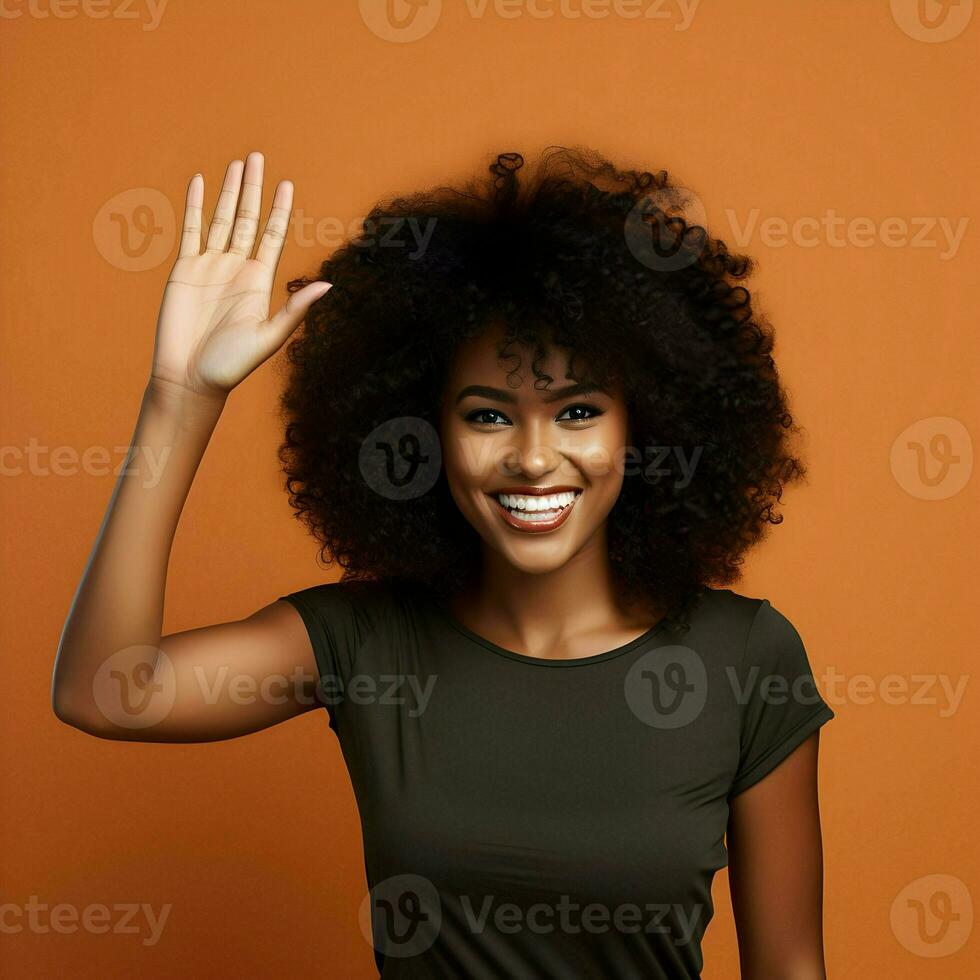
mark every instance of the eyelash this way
{"type": "Point", "coordinates": [472, 416]}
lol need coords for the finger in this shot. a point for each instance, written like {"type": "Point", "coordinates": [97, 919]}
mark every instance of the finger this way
{"type": "Point", "coordinates": [224, 210]}
{"type": "Point", "coordinates": [289, 317]}
{"type": "Point", "coordinates": [249, 206]}
{"type": "Point", "coordinates": [190, 236]}
{"type": "Point", "coordinates": [274, 237]}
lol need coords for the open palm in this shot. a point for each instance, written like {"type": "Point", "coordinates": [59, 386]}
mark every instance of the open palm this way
{"type": "Point", "coordinates": [214, 326]}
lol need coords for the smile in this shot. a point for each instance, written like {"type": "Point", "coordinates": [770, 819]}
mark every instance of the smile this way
{"type": "Point", "coordinates": [535, 513]}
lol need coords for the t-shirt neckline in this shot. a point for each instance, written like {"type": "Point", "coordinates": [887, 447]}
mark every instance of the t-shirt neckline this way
{"type": "Point", "coordinates": [524, 658]}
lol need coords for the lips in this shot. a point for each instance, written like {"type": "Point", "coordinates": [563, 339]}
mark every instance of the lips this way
{"type": "Point", "coordinates": [536, 491]}
{"type": "Point", "coordinates": [529, 512]}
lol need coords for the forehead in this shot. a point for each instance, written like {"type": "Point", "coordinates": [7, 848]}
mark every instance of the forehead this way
{"type": "Point", "coordinates": [478, 360]}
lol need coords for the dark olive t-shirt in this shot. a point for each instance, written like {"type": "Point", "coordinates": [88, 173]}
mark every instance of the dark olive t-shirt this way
{"type": "Point", "coordinates": [525, 817]}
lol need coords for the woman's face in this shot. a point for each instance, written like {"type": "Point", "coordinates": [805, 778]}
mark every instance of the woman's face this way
{"type": "Point", "coordinates": [503, 446]}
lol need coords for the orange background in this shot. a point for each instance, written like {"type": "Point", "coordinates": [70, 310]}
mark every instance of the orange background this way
{"type": "Point", "coordinates": [783, 110]}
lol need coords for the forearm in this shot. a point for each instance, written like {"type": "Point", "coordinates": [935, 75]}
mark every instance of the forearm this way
{"type": "Point", "coordinates": [118, 607]}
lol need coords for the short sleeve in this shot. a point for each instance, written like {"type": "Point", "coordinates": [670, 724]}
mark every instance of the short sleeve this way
{"type": "Point", "coordinates": [779, 703]}
{"type": "Point", "coordinates": [330, 615]}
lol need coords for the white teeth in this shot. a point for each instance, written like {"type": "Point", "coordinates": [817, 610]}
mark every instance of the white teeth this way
{"type": "Point", "coordinates": [537, 516]}
{"type": "Point", "coordinates": [540, 505]}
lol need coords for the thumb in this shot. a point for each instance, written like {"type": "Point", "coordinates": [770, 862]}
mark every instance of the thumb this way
{"type": "Point", "coordinates": [289, 316]}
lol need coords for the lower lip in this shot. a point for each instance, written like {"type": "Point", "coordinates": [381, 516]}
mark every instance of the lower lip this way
{"type": "Point", "coordinates": [534, 527]}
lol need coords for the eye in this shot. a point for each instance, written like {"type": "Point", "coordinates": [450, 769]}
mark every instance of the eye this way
{"type": "Point", "coordinates": [579, 413]}
{"type": "Point", "coordinates": [488, 416]}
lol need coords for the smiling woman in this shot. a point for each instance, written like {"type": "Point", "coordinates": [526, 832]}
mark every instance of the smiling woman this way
{"type": "Point", "coordinates": [589, 716]}
{"type": "Point", "coordinates": [532, 509]}
{"type": "Point", "coordinates": [527, 286]}
{"type": "Point", "coordinates": [510, 453]}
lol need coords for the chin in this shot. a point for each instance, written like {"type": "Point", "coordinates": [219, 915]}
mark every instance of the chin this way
{"type": "Point", "coordinates": [535, 558]}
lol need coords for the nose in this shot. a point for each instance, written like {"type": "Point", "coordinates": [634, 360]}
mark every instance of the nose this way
{"type": "Point", "coordinates": [532, 453]}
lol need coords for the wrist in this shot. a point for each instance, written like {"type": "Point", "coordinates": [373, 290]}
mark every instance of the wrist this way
{"type": "Point", "coordinates": [173, 396]}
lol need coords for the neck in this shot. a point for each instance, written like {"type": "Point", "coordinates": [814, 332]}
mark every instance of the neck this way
{"type": "Point", "coordinates": [519, 609]}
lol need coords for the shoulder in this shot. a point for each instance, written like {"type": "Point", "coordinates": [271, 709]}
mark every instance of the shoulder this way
{"type": "Point", "coordinates": [349, 593]}
{"type": "Point", "coordinates": [726, 609]}
{"type": "Point", "coordinates": [736, 607]}
{"type": "Point", "coordinates": [353, 609]}
{"type": "Point", "coordinates": [751, 624]}
{"type": "Point", "coordinates": [768, 640]}
{"type": "Point", "coordinates": [348, 621]}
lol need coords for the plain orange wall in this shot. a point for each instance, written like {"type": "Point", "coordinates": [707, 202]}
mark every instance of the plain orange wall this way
{"type": "Point", "coordinates": [779, 110]}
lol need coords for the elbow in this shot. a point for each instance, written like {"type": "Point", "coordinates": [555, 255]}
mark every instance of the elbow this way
{"type": "Point", "coordinates": [87, 719]}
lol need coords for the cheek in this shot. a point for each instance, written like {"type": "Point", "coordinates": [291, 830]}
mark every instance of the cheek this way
{"type": "Point", "coordinates": [475, 459]}
{"type": "Point", "coordinates": [466, 458]}
{"type": "Point", "coordinates": [600, 453]}
{"type": "Point", "coordinates": [454, 454]}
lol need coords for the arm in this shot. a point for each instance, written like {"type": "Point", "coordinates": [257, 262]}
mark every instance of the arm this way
{"type": "Point", "coordinates": [776, 871]}
{"type": "Point", "coordinates": [115, 676]}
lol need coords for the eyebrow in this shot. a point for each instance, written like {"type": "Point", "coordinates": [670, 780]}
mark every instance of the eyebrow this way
{"type": "Point", "coordinates": [499, 394]}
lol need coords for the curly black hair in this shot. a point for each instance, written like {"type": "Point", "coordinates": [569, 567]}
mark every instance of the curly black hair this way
{"type": "Point", "coordinates": [573, 251]}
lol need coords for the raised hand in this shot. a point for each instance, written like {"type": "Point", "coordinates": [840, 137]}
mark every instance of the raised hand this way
{"type": "Point", "coordinates": [214, 327]}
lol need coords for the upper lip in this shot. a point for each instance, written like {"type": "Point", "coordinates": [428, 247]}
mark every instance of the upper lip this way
{"type": "Point", "coordinates": [535, 491]}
